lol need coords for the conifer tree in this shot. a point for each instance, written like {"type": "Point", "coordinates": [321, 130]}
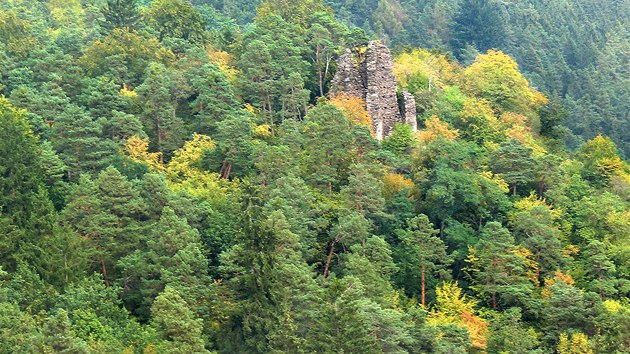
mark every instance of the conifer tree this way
{"type": "Point", "coordinates": [420, 247]}
{"type": "Point", "coordinates": [120, 13]}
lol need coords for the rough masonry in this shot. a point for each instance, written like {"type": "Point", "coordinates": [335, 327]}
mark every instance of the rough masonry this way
{"type": "Point", "coordinates": [370, 76]}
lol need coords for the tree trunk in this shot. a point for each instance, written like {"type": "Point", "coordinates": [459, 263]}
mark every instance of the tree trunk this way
{"type": "Point", "coordinates": [226, 168]}
{"type": "Point", "coordinates": [330, 255]}
{"type": "Point", "coordinates": [494, 301]}
{"type": "Point", "coordinates": [422, 286]}
{"type": "Point", "coordinates": [319, 71]}
{"type": "Point", "coordinates": [104, 272]}
{"type": "Point", "coordinates": [514, 190]}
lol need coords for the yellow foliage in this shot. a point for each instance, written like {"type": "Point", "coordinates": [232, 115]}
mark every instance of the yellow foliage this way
{"type": "Point", "coordinates": [577, 344]}
{"type": "Point", "coordinates": [66, 12]}
{"type": "Point", "coordinates": [531, 266]}
{"type": "Point", "coordinates": [353, 108]}
{"type": "Point", "coordinates": [17, 33]}
{"type": "Point", "coordinates": [451, 302]}
{"type": "Point", "coordinates": [225, 62]}
{"type": "Point", "coordinates": [127, 92]}
{"type": "Point", "coordinates": [185, 161]}
{"type": "Point", "coordinates": [481, 122]}
{"type": "Point", "coordinates": [519, 127]}
{"type": "Point", "coordinates": [184, 172]}
{"type": "Point", "coordinates": [539, 98]}
{"type": "Point", "coordinates": [477, 329]}
{"type": "Point", "coordinates": [608, 166]}
{"type": "Point", "coordinates": [138, 149]}
{"type": "Point", "coordinates": [262, 131]}
{"type": "Point", "coordinates": [570, 250]}
{"type": "Point", "coordinates": [434, 67]}
{"type": "Point", "coordinates": [394, 183]}
{"type": "Point", "coordinates": [613, 306]}
{"type": "Point", "coordinates": [453, 307]}
{"type": "Point", "coordinates": [495, 77]}
{"type": "Point", "coordinates": [126, 45]}
{"type": "Point", "coordinates": [249, 108]}
{"type": "Point", "coordinates": [532, 201]}
{"type": "Point", "coordinates": [436, 129]}
{"type": "Point", "coordinates": [498, 180]}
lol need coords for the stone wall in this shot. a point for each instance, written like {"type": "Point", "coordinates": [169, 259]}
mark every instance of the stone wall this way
{"type": "Point", "coordinates": [409, 111]}
{"type": "Point", "coordinates": [380, 100]}
{"type": "Point", "coordinates": [373, 80]}
{"type": "Point", "coordinates": [348, 79]}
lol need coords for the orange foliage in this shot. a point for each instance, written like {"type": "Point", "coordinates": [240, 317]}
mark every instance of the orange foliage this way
{"type": "Point", "coordinates": [436, 129]}
{"type": "Point", "coordinates": [558, 276]}
{"type": "Point", "coordinates": [454, 307]}
{"type": "Point", "coordinates": [477, 329]}
{"type": "Point", "coordinates": [353, 108]}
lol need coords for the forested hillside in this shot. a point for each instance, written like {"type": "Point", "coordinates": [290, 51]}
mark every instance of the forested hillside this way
{"type": "Point", "coordinates": [576, 51]}
{"type": "Point", "coordinates": [178, 177]}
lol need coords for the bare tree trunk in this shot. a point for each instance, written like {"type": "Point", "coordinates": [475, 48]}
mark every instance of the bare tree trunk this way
{"type": "Point", "coordinates": [330, 255]}
{"type": "Point", "coordinates": [319, 71]}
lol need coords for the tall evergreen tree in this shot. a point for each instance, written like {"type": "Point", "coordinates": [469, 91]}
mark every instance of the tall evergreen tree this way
{"type": "Point", "coordinates": [120, 13]}
{"type": "Point", "coordinates": [420, 247]}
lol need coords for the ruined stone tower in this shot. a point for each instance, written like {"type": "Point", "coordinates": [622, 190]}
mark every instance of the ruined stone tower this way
{"type": "Point", "coordinates": [371, 77]}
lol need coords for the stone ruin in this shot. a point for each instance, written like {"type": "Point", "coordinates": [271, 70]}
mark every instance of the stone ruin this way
{"type": "Point", "coordinates": [370, 76]}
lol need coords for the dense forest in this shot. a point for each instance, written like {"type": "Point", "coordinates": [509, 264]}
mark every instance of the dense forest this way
{"type": "Point", "coordinates": [178, 177]}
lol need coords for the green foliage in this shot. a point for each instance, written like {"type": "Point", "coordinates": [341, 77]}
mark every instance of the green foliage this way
{"type": "Point", "coordinates": [513, 161]}
{"type": "Point", "coordinates": [173, 178]}
{"type": "Point", "coordinates": [21, 176]}
{"type": "Point", "coordinates": [120, 14]}
{"type": "Point", "coordinates": [175, 19]}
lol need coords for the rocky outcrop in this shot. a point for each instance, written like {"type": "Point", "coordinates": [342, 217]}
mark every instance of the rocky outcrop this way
{"type": "Point", "coordinates": [372, 79]}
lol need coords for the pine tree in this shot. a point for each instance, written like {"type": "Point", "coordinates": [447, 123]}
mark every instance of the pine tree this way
{"type": "Point", "coordinates": [159, 118]}
{"type": "Point", "coordinates": [513, 161]}
{"type": "Point", "coordinates": [421, 248]}
{"type": "Point", "coordinates": [499, 273]}
{"type": "Point", "coordinates": [120, 13]}
{"type": "Point", "coordinates": [20, 173]}
{"type": "Point", "coordinates": [78, 138]}
{"type": "Point", "coordinates": [176, 324]}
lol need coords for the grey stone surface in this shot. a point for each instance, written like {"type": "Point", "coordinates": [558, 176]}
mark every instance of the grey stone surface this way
{"type": "Point", "coordinates": [348, 79]}
{"type": "Point", "coordinates": [372, 79]}
{"type": "Point", "coordinates": [409, 111]}
{"type": "Point", "coordinates": [381, 101]}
